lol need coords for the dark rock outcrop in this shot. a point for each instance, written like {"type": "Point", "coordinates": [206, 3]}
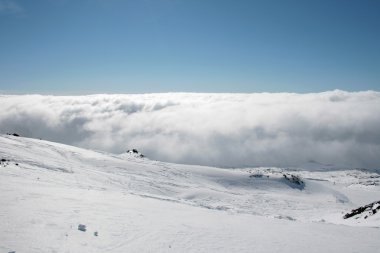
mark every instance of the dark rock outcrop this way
{"type": "Point", "coordinates": [366, 211]}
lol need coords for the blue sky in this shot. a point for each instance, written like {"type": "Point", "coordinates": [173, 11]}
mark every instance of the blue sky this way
{"type": "Point", "coordinates": [136, 46]}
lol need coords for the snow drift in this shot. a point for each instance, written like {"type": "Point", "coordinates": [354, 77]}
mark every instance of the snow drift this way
{"type": "Point", "coordinates": [335, 128]}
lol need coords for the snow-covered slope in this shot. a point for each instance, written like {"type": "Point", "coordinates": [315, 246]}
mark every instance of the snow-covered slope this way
{"type": "Point", "coordinates": [138, 205]}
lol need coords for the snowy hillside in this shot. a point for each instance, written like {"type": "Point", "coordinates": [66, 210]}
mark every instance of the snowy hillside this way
{"type": "Point", "coordinates": [128, 203]}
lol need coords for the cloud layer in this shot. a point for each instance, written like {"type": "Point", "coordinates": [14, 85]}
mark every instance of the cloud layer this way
{"type": "Point", "coordinates": [232, 130]}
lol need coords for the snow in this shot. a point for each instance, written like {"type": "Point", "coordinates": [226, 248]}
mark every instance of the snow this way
{"type": "Point", "coordinates": [133, 204]}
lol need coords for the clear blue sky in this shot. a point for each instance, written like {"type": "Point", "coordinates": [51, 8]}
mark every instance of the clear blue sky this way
{"type": "Point", "coordinates": [134, 46]}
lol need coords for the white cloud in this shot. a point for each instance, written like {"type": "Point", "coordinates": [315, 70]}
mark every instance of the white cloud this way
{"type": "Point", "coordinates": [282, 129]}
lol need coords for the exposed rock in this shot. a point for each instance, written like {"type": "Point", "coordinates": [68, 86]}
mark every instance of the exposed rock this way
{"type": "Point", "coordinates": [14, 134]}
{"type": "Point", "coordinates": [135, 153]}
{"type": "Point", "coordinates": [295, 181]}
{"type": "Point", "coordinates": [4, 162]}
{"type": "Point", "coordinates": [82, 227]}
{"type": "Point", "coordinates": [366, 211]}
{"type": "Point", "coordinates": [256, 175]}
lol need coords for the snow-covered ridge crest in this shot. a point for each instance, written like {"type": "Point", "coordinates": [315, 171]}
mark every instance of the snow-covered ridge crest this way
{"type": "Point", "coordinates": [231, 130]}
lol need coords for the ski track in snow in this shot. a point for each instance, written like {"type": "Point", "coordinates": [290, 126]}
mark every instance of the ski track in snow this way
{"type": "Point", "coordinates": [140, 205]}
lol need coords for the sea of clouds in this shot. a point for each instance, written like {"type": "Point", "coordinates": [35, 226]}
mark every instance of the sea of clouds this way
{"type": "Point", "coordinates": [230, 130]}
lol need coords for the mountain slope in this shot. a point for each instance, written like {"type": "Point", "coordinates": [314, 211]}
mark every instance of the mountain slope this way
{"type": "Point", "coordinates": [138, 205]}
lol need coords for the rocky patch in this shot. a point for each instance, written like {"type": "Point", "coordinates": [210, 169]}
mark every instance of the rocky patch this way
{"type": "Point", "coordinates": [294, 181]}
{"type": "Point", "coordinates": [364, 211]}
{"type": "Point", "coordinates": [14, 134]}
{"type": "Point", "coordinates": [135, 153]}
